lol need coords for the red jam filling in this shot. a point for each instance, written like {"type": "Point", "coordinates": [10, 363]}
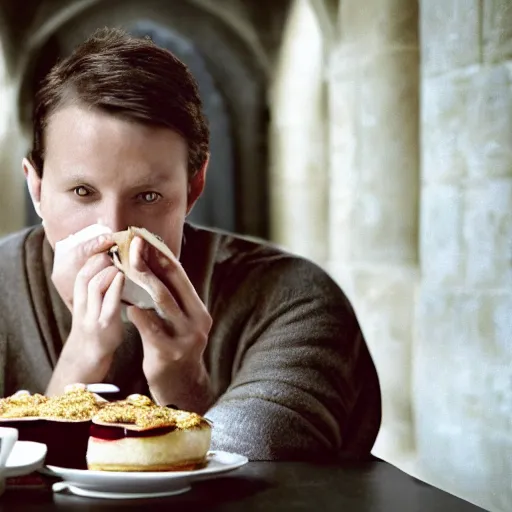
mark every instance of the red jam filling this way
{"type": "Point", "coordinates": [114, 433]}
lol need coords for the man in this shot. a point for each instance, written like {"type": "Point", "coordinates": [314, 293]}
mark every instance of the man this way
{"type": "Point", "coordinates": [262, 342]}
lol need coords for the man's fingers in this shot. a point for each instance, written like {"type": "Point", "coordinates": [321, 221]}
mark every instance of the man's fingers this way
{"type": "Point", "coordinates": [136, 254]}
{"type": "Point", "coordinates": [92, 267]}
{"type": "Point", "coordinates": [112, 299]}
{"type": "Point", "coordinates": [174, 277]}
{"type": "Point", "coordinates": [97, 288]}
{"type": "Point", "coordinates": [170, 273]}
{"type": "Point", "coordinates": [97, 245]}
{"type": "Point", "coordinates": [161, 295]}
{"type": "Point", "coordinates": [147, 322]}
{"type": "Point", "coordinates": [69, 260]}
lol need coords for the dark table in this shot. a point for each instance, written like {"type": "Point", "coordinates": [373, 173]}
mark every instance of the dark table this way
{"type": "Point", "coordinates": [260, 486]}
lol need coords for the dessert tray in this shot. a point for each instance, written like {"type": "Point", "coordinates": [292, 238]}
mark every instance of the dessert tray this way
{"type": "Point", "coordinates": [131, 485]}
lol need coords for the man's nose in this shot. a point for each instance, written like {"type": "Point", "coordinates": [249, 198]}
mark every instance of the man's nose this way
{"type": "Point", "coordinates": [115, 216]}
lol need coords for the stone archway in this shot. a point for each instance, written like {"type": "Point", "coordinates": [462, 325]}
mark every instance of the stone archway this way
{"type": "Point", "coordinates": [12, 190]}
{"type": "Point", "coordinates": [327, 16]}
{"type": "Point", "coordinates": [236, 70]}
{"type": "Point", "coordinates": [220, 180]}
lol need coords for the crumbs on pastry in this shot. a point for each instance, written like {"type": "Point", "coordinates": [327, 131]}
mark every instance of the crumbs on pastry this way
{"type": "Point", "coordinates": [140, 411]}
{"type": "Point", "coordinates": [21, 405]}
{"type": "Point", "coordinates": [75, 404]}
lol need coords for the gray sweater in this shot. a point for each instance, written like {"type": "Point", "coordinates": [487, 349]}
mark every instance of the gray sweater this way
{"type": "Point", "coordinates": [290, 369]}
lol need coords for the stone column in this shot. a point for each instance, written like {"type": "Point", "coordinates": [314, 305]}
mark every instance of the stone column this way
{"type": "Point", "coordinates": [298, 174]}
{"type": "Point", "coordinates": [374, 85]}
{"type": "Point", "coordinates": [463, 358]}
{"type": "Point", "coordinates": [12, 147]}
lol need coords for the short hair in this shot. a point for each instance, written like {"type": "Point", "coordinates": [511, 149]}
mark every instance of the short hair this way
{"type": "Point", "coordinates": [129, 77]}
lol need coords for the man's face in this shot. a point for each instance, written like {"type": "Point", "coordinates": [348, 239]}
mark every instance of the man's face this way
{"type": "Point", "coordinates": [103, 169]}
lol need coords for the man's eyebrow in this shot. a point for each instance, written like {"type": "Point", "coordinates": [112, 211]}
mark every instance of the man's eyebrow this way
{"type": "Point", "coordinates": [147, 179]}
{"type": "Point", "coordinates": [75, 177]}
{"type": "Point", "coordinates": [153, 178]}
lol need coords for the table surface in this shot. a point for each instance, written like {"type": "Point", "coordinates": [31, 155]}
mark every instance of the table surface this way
{"type": "Point", "coordinates": [261, 486]}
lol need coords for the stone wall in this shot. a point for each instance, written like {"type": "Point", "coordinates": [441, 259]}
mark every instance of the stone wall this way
{"type": "Point", "coordinates": [12, 148]}
{"type": "Point", "coordinates": [463, 356]}
{"type": "Point", "coordinates": [374, 174]}
{"type": "Point", "coordinates": [299, 171]}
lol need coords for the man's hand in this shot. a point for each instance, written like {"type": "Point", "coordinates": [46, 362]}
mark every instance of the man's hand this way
{"type": "Point", "coordinates": [175, 339]}
{"type": "Point", "coordinates": [67, 265]}
{"type": "Point", "coordinates": [97, 328]}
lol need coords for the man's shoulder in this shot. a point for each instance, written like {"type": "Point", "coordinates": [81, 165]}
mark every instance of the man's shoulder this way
{"type": "Point", "coordinates": [12, 244]}
{"type": "Point", "coordinates": [12, 271]}
{"type": "Point", "coordinates": [266, 265]}
{"type": "Point", "coordinates": [239, 249]}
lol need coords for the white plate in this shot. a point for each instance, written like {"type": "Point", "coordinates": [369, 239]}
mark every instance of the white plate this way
{"type": "Point", "coordinates": [129, 485]}
{"type": "Point", "coordinates": [25, 458]}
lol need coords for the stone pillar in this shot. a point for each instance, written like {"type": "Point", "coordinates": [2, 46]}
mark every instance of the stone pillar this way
{"type": "Point", "coordinates": [12, 148]}
{"type": "Point", "coordinates": [463, 357]}
{"type": "Point", "coordinates": [298, 173]}
{"type": "Point", "coordinates": [374, 105]}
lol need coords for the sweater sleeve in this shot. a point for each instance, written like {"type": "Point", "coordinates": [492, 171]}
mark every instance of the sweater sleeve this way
{"type": "Point", "coordinates": [300, 370]}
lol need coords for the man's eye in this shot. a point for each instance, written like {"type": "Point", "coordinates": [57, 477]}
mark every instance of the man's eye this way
{"type": "Point", "coordinates": [81, 191]}
{"type": "Point", "coordinates": [149, 197]}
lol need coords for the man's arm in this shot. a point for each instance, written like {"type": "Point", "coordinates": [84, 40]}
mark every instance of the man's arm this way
{"type": "Point", "coordinates": [303, 371]}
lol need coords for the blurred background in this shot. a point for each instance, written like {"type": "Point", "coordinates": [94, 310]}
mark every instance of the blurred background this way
{"type": "Point", "coordinates": [374, 138]}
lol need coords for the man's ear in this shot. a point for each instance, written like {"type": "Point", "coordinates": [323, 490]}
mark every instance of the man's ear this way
{"type": "Point", "coordinates": [196, 185]}
{"type": "Point", "coordinates": [34, 185]}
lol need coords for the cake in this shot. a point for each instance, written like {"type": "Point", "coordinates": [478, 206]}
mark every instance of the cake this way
{"type": "Point", "coordinates": [137, 435]}
{"type": "Point", "coordinates": [21, 405]}
{"type": "Point", "coordinates": [75, 404]}
{"type": "Point", "coordinates": [61, 422]}
{"type": "Point", "coordinates": [83, 431]}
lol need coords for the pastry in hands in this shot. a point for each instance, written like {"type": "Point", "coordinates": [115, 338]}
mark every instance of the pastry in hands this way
{"type": "Point", "coordinates": [137, 292]}
{"type": "Point", "coordinates": [137, 435]}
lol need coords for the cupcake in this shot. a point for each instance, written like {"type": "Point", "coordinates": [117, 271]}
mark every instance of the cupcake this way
{"type": "Point", "coordinates": [61, 422]}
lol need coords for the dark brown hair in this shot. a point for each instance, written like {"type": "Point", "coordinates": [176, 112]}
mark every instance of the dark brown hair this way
{"type": "Point", "coordinates": [128, 77]}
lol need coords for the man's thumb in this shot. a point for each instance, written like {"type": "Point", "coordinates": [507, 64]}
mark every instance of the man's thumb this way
{"type": "Point", "coordinates": [145, 320]}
